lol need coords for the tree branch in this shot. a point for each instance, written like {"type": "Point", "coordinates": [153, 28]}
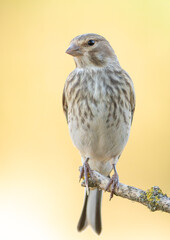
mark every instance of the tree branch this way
{"type": "Point", "coordinates": [153, 198]}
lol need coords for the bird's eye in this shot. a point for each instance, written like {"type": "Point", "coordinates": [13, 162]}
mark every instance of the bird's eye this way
{"type": "Point", "coordinates": [91, 42]}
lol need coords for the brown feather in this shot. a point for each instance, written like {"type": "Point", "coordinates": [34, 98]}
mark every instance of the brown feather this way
{"type": "Point", "coordinates": [64, 104]}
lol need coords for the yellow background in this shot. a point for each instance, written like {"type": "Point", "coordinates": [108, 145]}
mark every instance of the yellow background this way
{"type": "Point", "coordinates": [40, 196]}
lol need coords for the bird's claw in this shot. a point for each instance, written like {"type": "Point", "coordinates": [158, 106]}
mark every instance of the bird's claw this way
{"type": "Point", "coordinates": [86, 172]}
{"type": "Point", "coordinates": [113, 184]}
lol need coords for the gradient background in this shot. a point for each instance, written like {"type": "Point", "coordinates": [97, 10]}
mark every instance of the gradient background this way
{"type": "Point", "coordinates": [40, 196]}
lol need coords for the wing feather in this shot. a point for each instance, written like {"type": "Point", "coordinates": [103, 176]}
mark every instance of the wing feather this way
{"type": "Point", "coordinates": [64, 103]}
{"type": "Point", "coordinates": [132, 93]}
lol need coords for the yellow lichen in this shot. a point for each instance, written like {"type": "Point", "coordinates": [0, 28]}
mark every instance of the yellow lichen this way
{"type": "Point", "coordinates": [152, 197]}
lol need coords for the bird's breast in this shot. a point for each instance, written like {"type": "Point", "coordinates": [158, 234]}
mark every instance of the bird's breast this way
{"type": "Point", "coordinates": [99, 117]}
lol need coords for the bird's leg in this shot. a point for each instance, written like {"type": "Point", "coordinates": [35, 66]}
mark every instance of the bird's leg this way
{"type": "Point", "coordinates": [113, 182]}
{"type": "Point", "coordinates": [86, 172]}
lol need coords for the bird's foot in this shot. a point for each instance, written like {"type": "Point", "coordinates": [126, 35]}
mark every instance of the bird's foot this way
{"type": "Point", "coordinates": [113, 183]}
{"type": "Point", "coordinates": [86, 172]}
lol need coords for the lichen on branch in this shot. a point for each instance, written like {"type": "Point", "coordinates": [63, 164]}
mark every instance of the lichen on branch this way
{"type": "Point", "coordinates": [153, 198]}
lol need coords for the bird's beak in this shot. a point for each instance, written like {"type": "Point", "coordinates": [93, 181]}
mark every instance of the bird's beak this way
{"type": "Point", "coordinates": [74, 50]}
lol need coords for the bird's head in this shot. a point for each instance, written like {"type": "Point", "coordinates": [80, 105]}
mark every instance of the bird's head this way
{"type": "Point", "coordinates": [91, 50]}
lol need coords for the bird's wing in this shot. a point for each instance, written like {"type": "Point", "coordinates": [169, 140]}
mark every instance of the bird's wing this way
{"type": "Point", "coordinates": [65, 106]}
{"type": "Point", "coordinates": [132, 93]}
{"type": "Point", "coordinates": [69, 81]}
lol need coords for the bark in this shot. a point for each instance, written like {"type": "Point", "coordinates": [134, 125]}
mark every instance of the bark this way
{"type": "Point", "coordinates": [153, 198]}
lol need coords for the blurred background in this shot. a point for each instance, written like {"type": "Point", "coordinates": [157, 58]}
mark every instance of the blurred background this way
{"type": "Point", "coordinates": [40, 195]}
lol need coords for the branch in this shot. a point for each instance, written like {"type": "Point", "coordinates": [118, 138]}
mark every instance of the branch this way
{"type": "Point", "coordinates": [153, 198]}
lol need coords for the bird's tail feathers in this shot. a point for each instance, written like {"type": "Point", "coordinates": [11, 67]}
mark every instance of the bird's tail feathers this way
{"type": "Point", "coordinates": [91, 213]}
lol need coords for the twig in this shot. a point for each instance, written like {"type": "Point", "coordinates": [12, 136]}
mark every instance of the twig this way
{"type": "Point", "coordinates": [153, 198]}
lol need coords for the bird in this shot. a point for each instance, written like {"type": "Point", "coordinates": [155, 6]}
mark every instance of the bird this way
{"type": "Point", "coordinates": [99, 103]}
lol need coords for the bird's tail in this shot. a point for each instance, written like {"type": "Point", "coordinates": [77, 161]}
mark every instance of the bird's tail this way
{"type": "Point", "coordinates": [91, 213]}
